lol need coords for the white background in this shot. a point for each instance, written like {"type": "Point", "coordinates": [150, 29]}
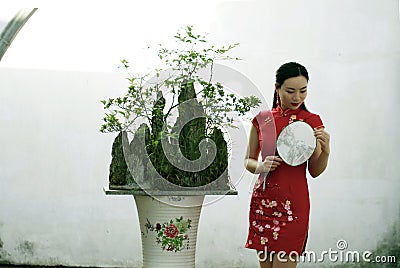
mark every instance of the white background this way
{"type": "Point", "coordinates": [54, 161]}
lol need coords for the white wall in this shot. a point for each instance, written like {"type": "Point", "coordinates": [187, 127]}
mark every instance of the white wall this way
{"type": "Point", "coordinates": [54, 161]}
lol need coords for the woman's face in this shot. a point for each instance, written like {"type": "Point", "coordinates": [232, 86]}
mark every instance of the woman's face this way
{"type": "Point", "coordinates": [293, 92]}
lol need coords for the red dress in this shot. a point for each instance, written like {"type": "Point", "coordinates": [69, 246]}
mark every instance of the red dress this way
{"type": "Point", "coordinates": [278, 217]}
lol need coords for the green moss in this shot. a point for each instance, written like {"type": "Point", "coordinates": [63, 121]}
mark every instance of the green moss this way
{"type": "Point", "coordinates": [118, 167]}
{"type": "Point", "coordinates": [4, 255]}
{"type": "Point", "coordinates": [189, 130]}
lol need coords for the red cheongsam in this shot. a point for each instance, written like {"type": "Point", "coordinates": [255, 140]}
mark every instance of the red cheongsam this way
{"type": "Point", "coordinates": [279, 215]}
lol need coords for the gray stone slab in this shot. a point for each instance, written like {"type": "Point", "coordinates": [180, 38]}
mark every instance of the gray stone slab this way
{"type": "Point", "coordinates": [108, 191]}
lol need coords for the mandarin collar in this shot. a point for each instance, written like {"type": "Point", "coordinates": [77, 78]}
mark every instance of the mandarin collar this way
{"type": "Point", "coordinates": [287, 112]}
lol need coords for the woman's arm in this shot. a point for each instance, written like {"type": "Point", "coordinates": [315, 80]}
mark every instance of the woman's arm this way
{"type": "Point", "coordinates": [251, 163]}
{"type": "Point", "coordinates": [319, 159]}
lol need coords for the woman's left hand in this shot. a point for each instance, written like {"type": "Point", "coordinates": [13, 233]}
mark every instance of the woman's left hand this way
{"type": "Point", "coordinates": [323, 138]}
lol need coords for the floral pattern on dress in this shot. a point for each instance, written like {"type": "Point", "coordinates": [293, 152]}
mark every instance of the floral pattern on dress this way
{"type": "Point", "coordinates": [271, 217]}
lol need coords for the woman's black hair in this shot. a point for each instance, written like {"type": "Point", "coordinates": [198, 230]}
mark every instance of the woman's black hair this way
{"type": "Point", "coordinates": [288, 70]}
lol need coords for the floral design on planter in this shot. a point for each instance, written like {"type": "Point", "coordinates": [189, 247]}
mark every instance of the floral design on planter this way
{"type": "Point", "coordinates": [171, 235]}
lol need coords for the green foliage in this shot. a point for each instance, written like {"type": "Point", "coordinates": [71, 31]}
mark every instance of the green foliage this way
{"type": "Point", "coordinates": [212, 107]}
{"type": "Point", "coordinates": [191, 55]}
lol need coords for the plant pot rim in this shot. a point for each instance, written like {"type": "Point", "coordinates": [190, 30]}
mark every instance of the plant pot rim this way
{"type": "Point", "coordinates": [109, 191]}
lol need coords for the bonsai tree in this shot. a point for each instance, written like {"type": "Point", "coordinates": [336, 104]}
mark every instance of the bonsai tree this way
{"type": "Point", "coordinates": [176, 117]}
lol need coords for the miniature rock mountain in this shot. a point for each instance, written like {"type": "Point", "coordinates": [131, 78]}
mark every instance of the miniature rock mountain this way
{"type": "Point", "coordinates": [185, 156]}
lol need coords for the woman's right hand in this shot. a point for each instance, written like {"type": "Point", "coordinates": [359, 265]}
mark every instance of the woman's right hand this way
{"type": "Point", "coordinates": [270, 163]}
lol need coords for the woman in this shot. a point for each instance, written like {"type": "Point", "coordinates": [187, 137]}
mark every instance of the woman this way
{"type": "Point", "coordinates": [279, 210]}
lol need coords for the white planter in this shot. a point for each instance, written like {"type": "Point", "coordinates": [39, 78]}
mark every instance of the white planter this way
{"type": "Point", "coordinates": [172, 220]}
